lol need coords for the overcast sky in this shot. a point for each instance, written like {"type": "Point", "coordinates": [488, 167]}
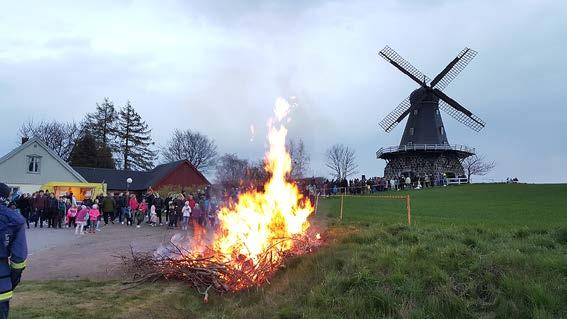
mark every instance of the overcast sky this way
{"type": "Point", "coordinates": [218, 68]}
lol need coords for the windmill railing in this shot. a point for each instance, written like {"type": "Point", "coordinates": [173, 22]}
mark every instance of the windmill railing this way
{"type": "Point", "coordinates": [424, 147]}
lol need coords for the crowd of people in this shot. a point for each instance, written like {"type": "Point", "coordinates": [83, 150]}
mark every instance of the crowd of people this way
{"type": "Point", "coordinates": [370, 185]}
{"type": "Point", "coordinates": [175, 210]}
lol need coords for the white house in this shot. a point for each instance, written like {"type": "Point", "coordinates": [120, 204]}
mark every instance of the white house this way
{"type": "Point", "coordinates": [32, 164]}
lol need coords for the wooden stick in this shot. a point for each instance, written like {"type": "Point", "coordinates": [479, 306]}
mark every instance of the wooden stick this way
{"type": "Point", "coordinates": [408, 206]}
{"type": "Point", "coordinates": [342, 199]}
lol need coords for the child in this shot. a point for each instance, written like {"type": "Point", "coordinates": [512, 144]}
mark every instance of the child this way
{"type": "Point", "coordinates": [94, 214]}
{"type": "Point", "coordinates": [141, 212]}
{"type": "Point", "coordinates": [153, 216]}
{"type": "Point", "coordinates": [186, 210]}
{"type": "Point", "coordinates": [81, 220]}
{"type": "Point", "coordinates": [139, 216]}
{"type": "Point", "coordinates": [172, 215]}
{"type": "Point", "coordinates": [71, 214]}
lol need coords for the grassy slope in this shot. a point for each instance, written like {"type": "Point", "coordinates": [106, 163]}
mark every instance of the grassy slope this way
{"type": "Point", "coordinates": [495, 251]}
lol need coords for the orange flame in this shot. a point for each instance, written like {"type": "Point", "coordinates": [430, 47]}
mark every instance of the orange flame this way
{"type": "Point", "coordinates": [269, 220]}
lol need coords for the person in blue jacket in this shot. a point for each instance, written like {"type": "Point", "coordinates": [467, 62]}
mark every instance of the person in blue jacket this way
{"type": "Point", "coordinates": [13, 250]}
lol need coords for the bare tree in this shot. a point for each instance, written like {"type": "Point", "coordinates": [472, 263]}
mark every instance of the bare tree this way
{"type": "Point", "coordinates": [477, 165]}
{"type": "Point", "coordinates": [299, 158]}
{"type": "Point", "coordinates": [195, 147]}
{"type": "Point", "coordinates": [231, 170]}
{"type": "Point", "coordinates": [59, 136]}
{"type": "Point", "coordinates": [342, 161]}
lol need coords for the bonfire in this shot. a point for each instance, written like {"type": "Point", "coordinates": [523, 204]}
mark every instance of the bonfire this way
{"type": "Point", "coordinates": [254, 237]}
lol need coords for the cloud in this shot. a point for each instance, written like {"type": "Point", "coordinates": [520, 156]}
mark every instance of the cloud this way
{"type": "Point", "coordinates": [217, 67]}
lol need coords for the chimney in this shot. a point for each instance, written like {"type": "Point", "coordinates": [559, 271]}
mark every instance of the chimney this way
{"type": "Point", "coordinates": [25, 139]}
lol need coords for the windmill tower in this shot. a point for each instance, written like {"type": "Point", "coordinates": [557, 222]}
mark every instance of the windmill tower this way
{"type": "Point", "coordinates": [424, 148]}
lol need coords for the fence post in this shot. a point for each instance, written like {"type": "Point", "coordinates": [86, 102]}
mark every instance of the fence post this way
{"type": "Point", "coordinates": [408, 206]}
{"type": "Point", "coordinates": [342, 199]}
{"type": "Point", "coordinates": [316, 204]}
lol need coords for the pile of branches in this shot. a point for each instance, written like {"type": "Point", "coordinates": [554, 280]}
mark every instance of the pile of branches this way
{"type": "Point", "coordinates": [207, 269]}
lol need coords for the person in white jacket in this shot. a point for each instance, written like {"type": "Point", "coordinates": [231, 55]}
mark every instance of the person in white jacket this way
{"type": "Point", "coordinates": [186, 211]}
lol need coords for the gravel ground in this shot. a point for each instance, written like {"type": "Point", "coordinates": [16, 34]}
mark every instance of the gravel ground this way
{"type": "Point", "coordinates": [60, 254]}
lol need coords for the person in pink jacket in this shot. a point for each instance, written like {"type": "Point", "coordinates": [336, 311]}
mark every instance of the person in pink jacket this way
{"type": "Point", "coordinates": [132, 208]}
{"type": "Point", "coordinates": [94, 215]}
{"type": "Point", "coordinates": [81, 219]}
{"type": "Point", "coordinates": [142, 211]}
{"type": "Point", "coordinates": [71, 214]}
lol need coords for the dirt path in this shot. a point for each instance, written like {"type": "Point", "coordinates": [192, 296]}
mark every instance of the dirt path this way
{"type": "Point", "coordinates": [60, 254]}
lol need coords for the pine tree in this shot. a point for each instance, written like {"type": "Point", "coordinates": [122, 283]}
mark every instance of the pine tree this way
{"type": "Point", "coordinates": [134, 140]}
{"type": "Point", "coordinates": [88, 153]}
{"type": "Point", "coordinates": [84, 152]}
{"type": "Point", "coordinates": [102, 124]}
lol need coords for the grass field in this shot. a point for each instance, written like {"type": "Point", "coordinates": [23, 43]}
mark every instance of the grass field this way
{"type": "Point", "coordinates": [488, 251]}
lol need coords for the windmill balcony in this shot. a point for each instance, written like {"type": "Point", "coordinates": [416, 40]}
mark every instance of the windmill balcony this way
{"type": "Point", "coordinates": [462, 149]}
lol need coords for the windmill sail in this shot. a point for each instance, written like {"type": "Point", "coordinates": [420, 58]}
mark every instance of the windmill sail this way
{"type": "Point", "coordinates": [396, 116]}
{"type": "Point", "coordinates": [453, 69]}
{"type": "Point", "coordinates": [401, 64]}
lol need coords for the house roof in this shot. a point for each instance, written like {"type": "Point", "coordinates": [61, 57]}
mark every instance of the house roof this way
{"type": "Point", "coordinates": [31, 141]}
{"type": "Point", "coordinates": [116, 179]}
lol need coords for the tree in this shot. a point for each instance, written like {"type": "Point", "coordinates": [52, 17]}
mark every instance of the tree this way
{"type": "Point", "coordinates": [476, 165]}
{"type": "Point", "coordinates": [195, 147]}
{"type": "Point", "coordinates": [102, 124]}
{"type": "Point", "coordinates": [231, 170]}
{"type": "Point", "coordinates": [134, 140]}
{"type": "Point", "coordinates": [342, 161]}
{"type": "Point", "coordinates": [59, 136]}
{"type": "Point", "coordinates": [299, 158]}
{"type": "Point", "coordinates": [88, 153]}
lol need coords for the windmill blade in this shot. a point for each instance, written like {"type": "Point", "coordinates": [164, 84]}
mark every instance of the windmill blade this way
{"type": "Point", "coordinates": [453, 69]}
{"type": "Point", "coordinates": [396, 116]}
{"type": "Point", "coordinates": [459, 112]}
{"type": "Point", "coordinates": [395, 59]}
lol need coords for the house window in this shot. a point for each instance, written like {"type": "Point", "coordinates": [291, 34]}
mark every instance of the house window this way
{"type": "Point", "coordinates": [34, 164]}
{"type": "Point", "coordinates": [411, 130]}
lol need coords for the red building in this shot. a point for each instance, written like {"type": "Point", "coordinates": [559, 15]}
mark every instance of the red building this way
{"type": "Point", "coordinates": [179, 174]}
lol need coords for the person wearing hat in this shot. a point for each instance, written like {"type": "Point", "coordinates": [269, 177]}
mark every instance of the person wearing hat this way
{"type": "Point", "coordinates": [13, 250]}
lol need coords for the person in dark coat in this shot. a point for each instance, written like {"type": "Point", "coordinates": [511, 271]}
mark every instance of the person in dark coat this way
{"type": "Point", "coordinates": [158, 203]}
{"type": "Point", "coordinates": [88, 201]}
{"type": "Point", "coordinates": [13, 251]}
{"type": "Point", "coordinates": [52, 210]}
{"type": "Point", "coordinates": [39, 203]}
{"type": "Point", "coordinates": [108, 207]}
{"type": "Point", "coordinates": [24, 205]}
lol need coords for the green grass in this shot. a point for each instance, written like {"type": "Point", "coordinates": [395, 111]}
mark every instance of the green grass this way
{"type": "Point", "coordinates": [478, 251]}
{"type": "Point", "coordinates": [491, 205]}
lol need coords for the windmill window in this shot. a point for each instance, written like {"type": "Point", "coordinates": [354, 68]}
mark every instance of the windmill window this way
{"type": "Point", "coordinates": [441, 130]}
{"type": "Point", "coordinates": [34, 164]}
{"type": "Point", "coordinates": [411, 130]}
{"type": "Point", "coordinates": [415, 112]}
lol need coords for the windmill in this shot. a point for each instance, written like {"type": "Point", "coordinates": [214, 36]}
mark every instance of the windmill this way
{"type": "Point", "coordinates": [424, 149]}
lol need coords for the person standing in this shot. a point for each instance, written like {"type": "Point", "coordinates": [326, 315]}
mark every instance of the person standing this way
{"type": "Point", "coordinates": [186, 214]}
{"type": "Point", "coordinates": [39, 208]}
{"type": "Point", "coordinates": [158, 203]}
{"type": "Point", "coordinates": [132, 208]}
{"type": "Point", "coordinates": [23, 204]}
{"type": "Point", "coordinates": [13, 251]}
{"type": "Point", "coordinates": [51, 208]}
{"type": "Point", "coordinates": [108, 206]}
